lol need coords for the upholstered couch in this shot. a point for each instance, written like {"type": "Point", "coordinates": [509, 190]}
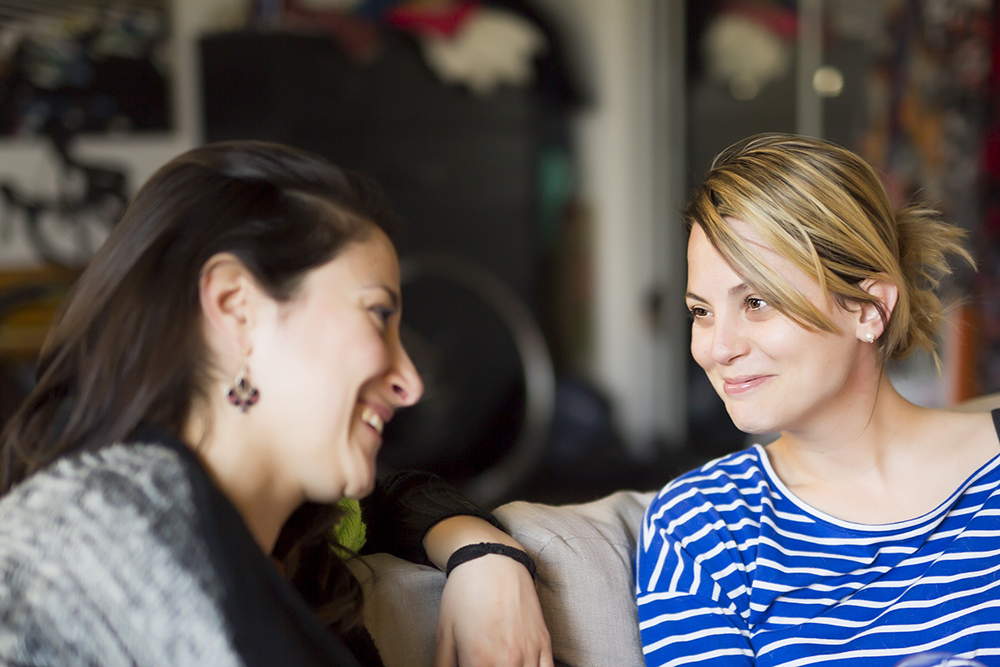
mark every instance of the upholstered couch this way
{"type": "Point", "coordinates": [584, 555]}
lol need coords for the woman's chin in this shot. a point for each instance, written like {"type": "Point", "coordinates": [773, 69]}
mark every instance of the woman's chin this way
{"type": "Point", "coordinates": [362, 482]}
{"type": "Point", "coordinates": [360, 491]}
{"type": "Point", "coordinates": [753, 424]}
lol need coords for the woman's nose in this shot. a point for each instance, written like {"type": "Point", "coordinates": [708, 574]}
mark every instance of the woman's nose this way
{"type": "Point", "coordinates": [729, 341]}
{"type": "Point", "coordinates": [404, 378]}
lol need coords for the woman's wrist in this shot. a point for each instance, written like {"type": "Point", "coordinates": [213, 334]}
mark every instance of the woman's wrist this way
{"type": "Point", "coordinates": [450, 535]}
{"type": "Point", "coordinates": [474, 551]}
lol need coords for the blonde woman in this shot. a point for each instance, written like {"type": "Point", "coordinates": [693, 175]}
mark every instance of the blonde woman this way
{"type": "Point", "coordinates": [868, 531]}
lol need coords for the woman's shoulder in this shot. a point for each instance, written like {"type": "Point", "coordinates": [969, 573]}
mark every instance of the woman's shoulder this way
{"type": "Point", "coordinates": [716, 509]}
{"type": "Point", "coordinates": [112, 490]}
{"type": "Point", "coordinates": [736, 468]}
{"type": "Point", "coordinates": [735, 482]}
{"type": "Point", "coordinates": [953, 449]}
{"type": "Point", "coordinates": [97, 528]}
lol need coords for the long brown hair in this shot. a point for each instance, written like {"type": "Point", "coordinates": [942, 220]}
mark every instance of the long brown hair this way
{"type": "Point", "coordinates": [127, 345]}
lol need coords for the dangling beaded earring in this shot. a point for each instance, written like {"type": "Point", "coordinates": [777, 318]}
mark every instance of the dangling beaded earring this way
{"type": "Point", "coordinates": [241, 393]}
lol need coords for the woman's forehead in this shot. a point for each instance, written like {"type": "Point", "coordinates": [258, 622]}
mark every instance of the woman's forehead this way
{"type": "Point", "coordinates": [746, 233]}
{"type": "Point", "coordinates": [784, 269]}
{"type": "Point", "coordinates": [752, 238]}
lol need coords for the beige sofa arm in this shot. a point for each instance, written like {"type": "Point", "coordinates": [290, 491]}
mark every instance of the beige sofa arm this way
{"type": "Point", "coordinates": [585, 556]}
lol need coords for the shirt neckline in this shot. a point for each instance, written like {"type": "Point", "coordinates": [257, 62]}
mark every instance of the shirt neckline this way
{"type": "Point", "coordinates": [932, 515]}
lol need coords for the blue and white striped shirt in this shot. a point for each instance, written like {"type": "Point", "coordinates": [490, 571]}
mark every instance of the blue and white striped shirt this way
{"type": "Point", "coordinates": [732, 569]}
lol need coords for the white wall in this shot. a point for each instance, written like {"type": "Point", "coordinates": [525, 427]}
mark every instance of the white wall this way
{"type": "Point", "coordinates": [629, 177]}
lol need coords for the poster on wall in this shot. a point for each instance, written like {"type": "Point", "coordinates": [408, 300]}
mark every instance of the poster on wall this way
{"type": "Point", "coordinates": [93, 66]}
{"type": "Point", "coordinates": [72, 68]}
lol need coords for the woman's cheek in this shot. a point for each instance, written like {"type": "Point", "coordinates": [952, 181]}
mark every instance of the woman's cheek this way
{"type": "Point", "coordinates": [699, 348]}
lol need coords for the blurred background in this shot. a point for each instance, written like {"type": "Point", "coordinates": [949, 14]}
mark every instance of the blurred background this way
{"type": "Point", "coordinates": [540, 151]}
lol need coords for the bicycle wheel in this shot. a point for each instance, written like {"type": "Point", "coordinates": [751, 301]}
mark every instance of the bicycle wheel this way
{"type": "Point", "coordinates": [484, 421]}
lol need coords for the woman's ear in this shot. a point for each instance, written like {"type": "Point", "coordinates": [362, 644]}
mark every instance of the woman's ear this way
{"type": "Point", "coordinates": [870, 320]}
{"type": "Point", "coordinates": [227, 292]}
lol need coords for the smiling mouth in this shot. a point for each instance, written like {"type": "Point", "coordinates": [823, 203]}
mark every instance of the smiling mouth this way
{"type": "Point", "coordinates": [742, 385]}
{"type": "Point", "coordinates": [372, 418]}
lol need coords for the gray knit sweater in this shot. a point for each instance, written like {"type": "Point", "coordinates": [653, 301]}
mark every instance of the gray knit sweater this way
{"type": "Point", "coordinates": [131, 556]}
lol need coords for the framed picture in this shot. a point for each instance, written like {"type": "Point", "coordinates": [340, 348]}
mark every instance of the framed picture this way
{"type": "Point", "coordinates": [94, 66]}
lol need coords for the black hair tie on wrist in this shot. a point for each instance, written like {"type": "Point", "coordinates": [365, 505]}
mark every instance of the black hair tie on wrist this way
{"type": "Point", "coordinates": [473, 551]}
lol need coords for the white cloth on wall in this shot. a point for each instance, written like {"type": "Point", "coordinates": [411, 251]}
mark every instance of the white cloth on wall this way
{"type": "Point", "coordinates": [493, 47]}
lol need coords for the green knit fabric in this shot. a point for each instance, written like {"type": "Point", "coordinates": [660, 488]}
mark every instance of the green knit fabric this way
{"type": "Point", "coordinates": [351, 532]}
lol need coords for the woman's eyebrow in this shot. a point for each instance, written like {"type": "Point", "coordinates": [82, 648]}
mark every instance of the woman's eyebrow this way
{"type": "Point", "coordinates": [736, 290]}
{"type": "Point", "coordinates": [393, 294]}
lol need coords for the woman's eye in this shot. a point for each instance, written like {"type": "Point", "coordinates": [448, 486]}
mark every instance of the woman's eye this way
{"type": "Point", "coordinates": [754, 303]}
{"type": "Point", "coordinates": [383, 313]}
{"type": "Point", "coordinates": [697, 312]}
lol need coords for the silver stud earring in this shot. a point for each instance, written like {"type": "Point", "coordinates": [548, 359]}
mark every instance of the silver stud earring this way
{"type": "Point", "coordinates": [869, 337]}
{"type": "Point", "coordinates": [241, 394]}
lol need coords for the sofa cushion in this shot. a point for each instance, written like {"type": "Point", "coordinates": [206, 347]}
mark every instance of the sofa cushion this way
{"type": "Point", "coordinates": [401, 606]}
{"type": "Point", "coordinates": [584, 555]}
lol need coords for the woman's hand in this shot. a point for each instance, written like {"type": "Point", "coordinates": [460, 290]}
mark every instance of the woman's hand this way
{"type": "Point", "coordinates": [490, 615]}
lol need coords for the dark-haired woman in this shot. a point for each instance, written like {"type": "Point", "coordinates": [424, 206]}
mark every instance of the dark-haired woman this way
{"type": "Point", "coordinates": [218, 379]}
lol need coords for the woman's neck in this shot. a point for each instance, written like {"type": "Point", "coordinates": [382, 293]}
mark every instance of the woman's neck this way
{"type": "Point", "coordinates": [242, 470]}
{"type": "Point", "coordinates": [893, 462]}
{"type": "Point", "coordinates": [862, 436]}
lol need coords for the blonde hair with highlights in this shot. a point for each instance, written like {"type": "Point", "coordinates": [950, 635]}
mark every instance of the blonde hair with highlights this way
{"type": "Point", "coordinates": [824, 209]}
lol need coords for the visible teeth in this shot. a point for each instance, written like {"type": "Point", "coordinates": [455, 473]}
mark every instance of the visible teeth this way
{"type": "Point", "coordinates": [371, 418]}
